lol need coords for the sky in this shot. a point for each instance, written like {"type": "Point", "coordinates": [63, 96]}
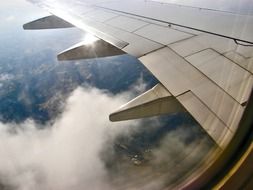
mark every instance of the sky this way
{"type": "Point", "coordinates": [66, 153]}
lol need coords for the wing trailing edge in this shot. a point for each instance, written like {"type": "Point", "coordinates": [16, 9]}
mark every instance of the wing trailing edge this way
{"type": "Point", "coordinates": [154, 102]}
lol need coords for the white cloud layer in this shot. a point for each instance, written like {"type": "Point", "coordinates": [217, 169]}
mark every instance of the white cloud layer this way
{"type": "Point", "coordinates": [66, 154]}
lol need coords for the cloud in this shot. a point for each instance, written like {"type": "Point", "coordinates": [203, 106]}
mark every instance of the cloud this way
{"type": "Point", "coordinates": [74, 152]}
{"type": "Point", "coordinates": [5, 77]}
{"type": "Point", "coordinates": [168, 155]}
{"type": "Point", "coordinates": [10, 18]}
{"type": "Point", "coordinates": [139, 87]}
{"type": "Point", "coordinates": [64, 155]}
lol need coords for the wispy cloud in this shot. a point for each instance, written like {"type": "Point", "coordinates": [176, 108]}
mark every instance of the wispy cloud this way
{"type": "Point", "coordinates": [5, 76]}
{"type": "Point", "coordinates": [10, 18]}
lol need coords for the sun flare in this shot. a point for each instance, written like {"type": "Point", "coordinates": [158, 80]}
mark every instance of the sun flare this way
{"type": "Point", "coordinates": [89, 39]}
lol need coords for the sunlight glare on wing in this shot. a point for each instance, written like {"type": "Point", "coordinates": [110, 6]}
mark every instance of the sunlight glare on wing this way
{"type": "Point", "coordinates": [89, 39]}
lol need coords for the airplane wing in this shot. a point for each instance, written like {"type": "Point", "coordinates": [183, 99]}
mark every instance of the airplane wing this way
{"type": "Point", "coordinates": [202, 56]}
